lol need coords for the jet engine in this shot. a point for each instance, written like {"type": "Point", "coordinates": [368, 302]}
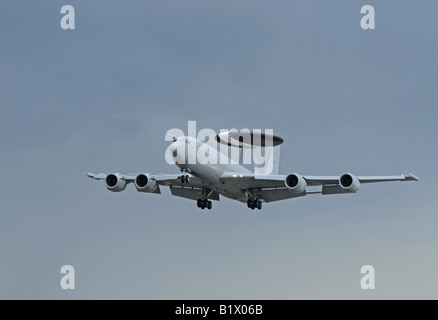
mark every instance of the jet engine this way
{"type": "Point", "coordinates": [295, 183]}
{"type": "Point", "coordinates": [145, 183]}
{"type": "Point", "coordinates": [115, 182]}
{"type": "Point", "coordinates": [349, 183]}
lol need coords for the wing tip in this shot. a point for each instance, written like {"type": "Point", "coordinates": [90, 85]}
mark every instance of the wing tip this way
{"type": "Point", "coordinates": [412, 177]}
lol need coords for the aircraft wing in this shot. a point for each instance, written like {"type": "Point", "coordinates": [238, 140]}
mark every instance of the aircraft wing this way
{"type": "Point", "coordinates": [326, 180]}
{"type": "Point", "coordinates": [161, 179]}
{"type": "Point", "coordinates": [273, 187]}
{"type": "Point", "coordinates": [278, 181]}
{"type": "Point", "coordinates": [191, 190]}
{"type": "Point", "coordinates": [102, 176]}
{"type": "Point", "coordinates": [175, 180]}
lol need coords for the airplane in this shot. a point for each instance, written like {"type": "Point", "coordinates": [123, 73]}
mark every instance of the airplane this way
{"type": "Point", "coordinates": [206, 182]}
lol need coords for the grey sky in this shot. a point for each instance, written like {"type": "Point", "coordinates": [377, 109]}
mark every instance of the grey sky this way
{"type": "Point", "coordinates": [100, 99]}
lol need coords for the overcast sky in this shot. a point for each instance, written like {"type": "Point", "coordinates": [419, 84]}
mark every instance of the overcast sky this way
{"type": "Point", "coordinates": [100, 98]}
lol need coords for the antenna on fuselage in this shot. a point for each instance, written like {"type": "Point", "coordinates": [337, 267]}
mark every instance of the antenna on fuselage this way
{"type": "Point", "coordinates": [246, 139]}
{"type": "Point", "coordinates": [249, 139]}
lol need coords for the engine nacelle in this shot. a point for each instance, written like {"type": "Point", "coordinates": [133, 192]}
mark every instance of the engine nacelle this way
{"type": "Point", "coordinates": [145, 183]}
{"type": "Point", "coordinates": [349, 183]}
{"type": "Point", "coordinates": [295, 183]}
{"type": "Point", "coordinates": [115, 182]}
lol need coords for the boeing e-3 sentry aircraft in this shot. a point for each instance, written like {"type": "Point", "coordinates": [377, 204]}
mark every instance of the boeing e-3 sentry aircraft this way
{"type": "Point", "coordinates": [206, 182]}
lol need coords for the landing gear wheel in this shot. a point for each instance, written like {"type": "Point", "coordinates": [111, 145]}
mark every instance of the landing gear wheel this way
{"type": "Point", "coordinates": [187, 179]}
{"type": "Point", "coordinates": [204, 204]}
{"type": "Point", "coordinates": [252, 204]}
{"type": "Point", "coordinates": [259, 205]}
{"type": "Point", "coordinates": [183, 179]}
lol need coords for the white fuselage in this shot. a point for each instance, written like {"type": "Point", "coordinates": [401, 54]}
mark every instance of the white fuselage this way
{"type": "Point", "coordinates": [209, 173]}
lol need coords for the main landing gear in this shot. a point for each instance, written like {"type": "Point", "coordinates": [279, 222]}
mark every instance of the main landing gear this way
{"type": "Point", "coordinates": [185, 178]}
{"type": "Point", "coordinates": [204, 204]}
{"type": "Point", "coordinates": [253, 201]}
{"type": "Point", "coordinates": [252, 204]}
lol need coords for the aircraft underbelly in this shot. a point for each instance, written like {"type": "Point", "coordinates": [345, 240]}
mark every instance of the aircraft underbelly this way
{"type": "Point", "coordinates": [211, 175]}
{"type": "Point", "coordinates": [232, 193]}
